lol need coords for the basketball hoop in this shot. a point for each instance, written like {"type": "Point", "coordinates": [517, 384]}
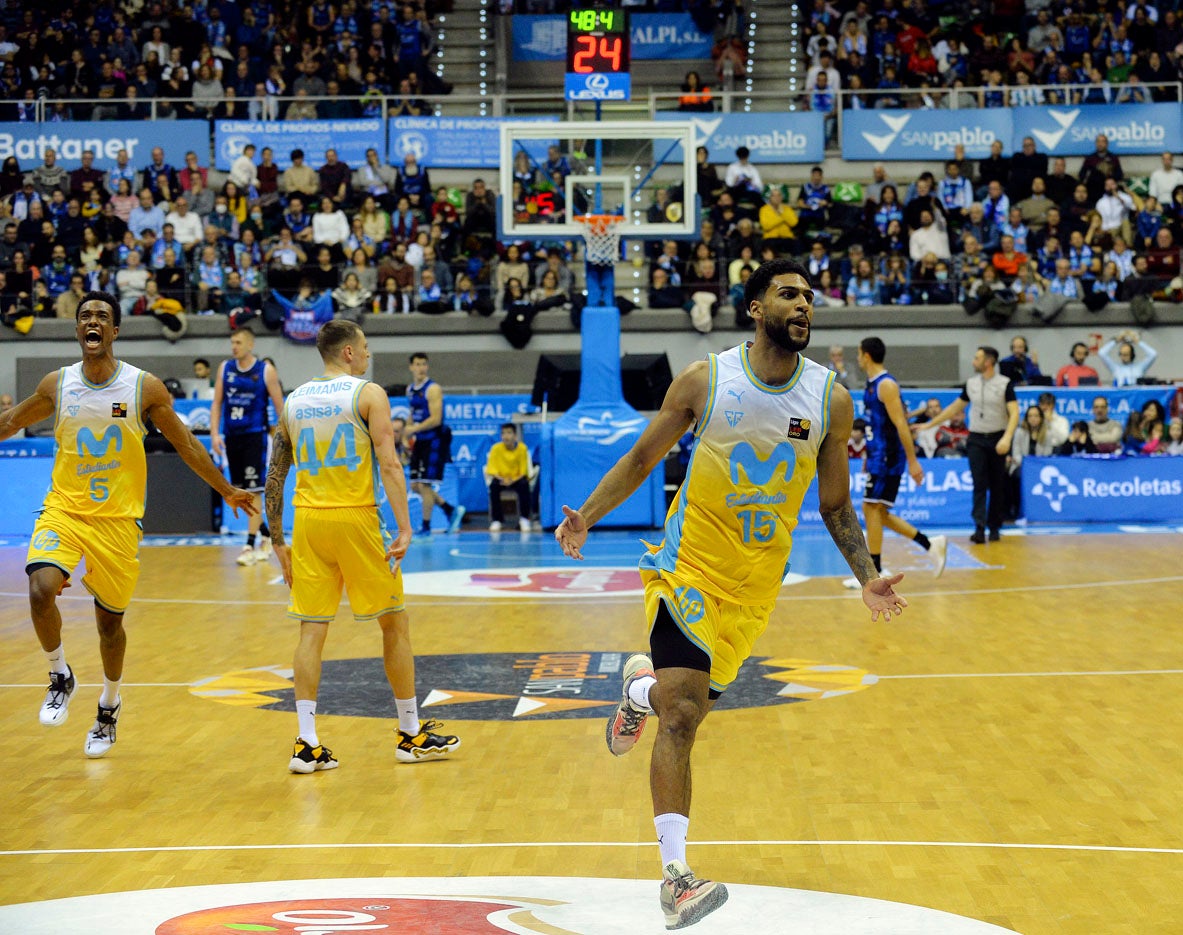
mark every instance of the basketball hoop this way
{"type": "Point", "coordinates": [601, 237]}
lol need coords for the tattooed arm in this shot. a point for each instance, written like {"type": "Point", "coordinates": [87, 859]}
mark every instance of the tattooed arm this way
{"type": "Point", "coordinates": [277, 474]}
{"type": "Point", "coordinates": [833, 488]}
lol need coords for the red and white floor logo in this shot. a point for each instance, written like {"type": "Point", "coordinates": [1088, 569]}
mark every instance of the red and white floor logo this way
{"type": "Point", "coordinates": [467, 906]}
{"type": "Point", "coordinates": [525, 582]}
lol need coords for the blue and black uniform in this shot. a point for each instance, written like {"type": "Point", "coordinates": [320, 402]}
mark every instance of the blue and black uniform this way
{"type": "Point", "coordinates": [432, 448]}
{"type": "Point", "coordinates": [885, 451]}
{"type": "Point", "coordinates": [244, 423]}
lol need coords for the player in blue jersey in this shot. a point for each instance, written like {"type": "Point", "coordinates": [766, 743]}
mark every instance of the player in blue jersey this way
{"type": "Point", "coordinates": [889, 450]}
{"type": "Point", "coordinates": [432, 444]}
{"type": "Point", "coordinates": [242, 389]}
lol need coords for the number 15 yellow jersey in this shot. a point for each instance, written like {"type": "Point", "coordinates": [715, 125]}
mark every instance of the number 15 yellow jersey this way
{"type": "Point", "coordinates": [729, 531]}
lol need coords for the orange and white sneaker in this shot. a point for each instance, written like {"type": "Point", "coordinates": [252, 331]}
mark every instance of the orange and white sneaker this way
{"type": "Point", "coordinates": [685, 899]}
{"type": "Point", "coordinates": [627, 721]}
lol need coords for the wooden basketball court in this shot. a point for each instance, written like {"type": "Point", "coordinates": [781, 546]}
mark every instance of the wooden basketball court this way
{"type": "Point", "coordinates": [1017, 761]}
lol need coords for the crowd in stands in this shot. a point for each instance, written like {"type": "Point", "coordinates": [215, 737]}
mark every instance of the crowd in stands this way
{"type": "Point", "coordinates": [1008, 53]}
{"type": "Point", "coordinates": [266, 59]}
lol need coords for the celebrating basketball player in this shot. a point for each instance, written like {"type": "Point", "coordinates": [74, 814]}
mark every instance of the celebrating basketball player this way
{"type": "Point", "coordinates": [241, 390]}
{"type": "Point", "coordinates": [96, 500]}
{"type": "Point", "coordinates": [336, 428]}
{"type": "Point", "coordinates": [889, 448]}
{"type": "Point", "coordinates": [766, 420]}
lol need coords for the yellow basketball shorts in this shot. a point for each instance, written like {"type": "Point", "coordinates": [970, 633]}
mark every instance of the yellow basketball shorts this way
{"type": "Point", "coordinates": [724, 631]}
{"type": "Point", "coordinates": [344, 547]}
{"type": "Point", "coordinates": [110, 545]}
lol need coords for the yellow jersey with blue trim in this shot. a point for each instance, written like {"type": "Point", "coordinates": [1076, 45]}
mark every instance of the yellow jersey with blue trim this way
{"type": "Point", "coordinates": [334, 458]}
{"type": "Point", "coordinates": [729, 531]}
{"type": "Point", "coordinates": [99, 468]}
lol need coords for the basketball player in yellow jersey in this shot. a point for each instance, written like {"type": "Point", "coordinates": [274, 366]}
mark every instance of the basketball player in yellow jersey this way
{"type": "Point", "coordinates": [766, 421]}
{"type": "Point", "coordinates": [336, 429]}
{"type": "Point", "coordinates": [96, 499]}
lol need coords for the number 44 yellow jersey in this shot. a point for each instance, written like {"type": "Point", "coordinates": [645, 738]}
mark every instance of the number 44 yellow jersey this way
{"type": "Point", "coordinates": [333, 455]}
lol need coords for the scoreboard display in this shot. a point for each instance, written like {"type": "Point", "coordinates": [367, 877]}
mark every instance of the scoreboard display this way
{"type": "Point", "coordinates": [598, 55]}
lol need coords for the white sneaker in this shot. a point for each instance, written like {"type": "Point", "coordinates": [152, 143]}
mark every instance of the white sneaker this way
{"type": "Point", "coordinates": [685, 898]}
{"type": "Point", "coordinates": [246, 556]}
{"type": "Point", "coordinates": [494, 526]}
{"type": "Point", "coordinates": [102, 736]}
{"type": "Point", "coordinates": [937, 547]}
{"type": "Point", "coordinates": [524, 524]}
{"type": "Point", "coordinates": [853, 585]}
{"type": "Point", "coordinates": [263, 553]}
{"type": "Point", "coordinates": [56, 707]}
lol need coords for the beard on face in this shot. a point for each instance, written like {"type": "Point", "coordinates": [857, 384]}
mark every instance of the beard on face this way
{"type": "Point", "coordinates": [778, 333]}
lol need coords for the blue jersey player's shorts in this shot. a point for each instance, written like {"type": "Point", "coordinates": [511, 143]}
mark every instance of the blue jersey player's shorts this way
{"type": "Point", "coordinates": [724, 631]}
{"type": "Point", "coordinates": [429, 455]}
{"type": "Point", "coordinates": [337, 548]}
{"type": "Point", "coordinates": [882, 488]}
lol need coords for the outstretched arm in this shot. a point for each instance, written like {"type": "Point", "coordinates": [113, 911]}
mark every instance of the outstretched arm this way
{"type": "Point", "coordinates": [889, 395]}
{"type": "Point", "coordinates": [41, 405]}
{"type": "Point", "coordinates": [833, 489]}
{"type": "Point", "coordinates": [684, 403]}
{"type": "Point", "coordinates": [158, 405]}
{"type": "Point", "coordinates": [374, 407]}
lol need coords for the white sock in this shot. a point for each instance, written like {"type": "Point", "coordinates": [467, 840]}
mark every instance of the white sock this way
{"type": "Point", "coordinates": [306, 716]}
{"type": "Point", "coordinates": [57, 660]}
{"type": "Point", "coordinates": [110, 696]}
{"type": "Point", "coordinates": [638, 691]}
{"type": "Point", "coordinates": [671, 836]}
{"type": "Point", "coordinates": [408, 715]}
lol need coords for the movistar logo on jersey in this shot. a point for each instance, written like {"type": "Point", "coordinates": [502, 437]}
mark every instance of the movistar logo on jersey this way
{"type": "Point", "coordinates": [91, 447]}
{"type": "Point", "coordinates": [762, 471]}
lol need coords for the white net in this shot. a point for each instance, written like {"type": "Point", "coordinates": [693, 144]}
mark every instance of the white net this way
{"type": "Point", "coordinates": [601, 237]}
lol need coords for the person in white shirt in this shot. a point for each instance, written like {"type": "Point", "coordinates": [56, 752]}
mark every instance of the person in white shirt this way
{"type": "Point", "coordinates": [1114, 209]}
{"type": "Point", "coordinates": [928, 238]}
{"type": "Point", "coordinates": [826, 64]}
{"type": "Point", "coordinates": [243, 171]}
{"type": "Point", "coordinates": [1124, 363]}
{"type": "Point", "coordinates": [1057, 425]}
{"type": "Point", "coordinates": [329, 225]}
{"type": "Point", "coordinates": [186, 224]}
{"type": "Point", "coordinates": [742, 177]}
{"type": "Point", "coordinates": [1163, 181]}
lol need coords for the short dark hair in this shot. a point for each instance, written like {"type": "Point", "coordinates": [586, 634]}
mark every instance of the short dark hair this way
{"type": "Point", "coordinates": [1075, 346]}
{"type": "Point", "coordinates": [200, 360]}
{"type": "Point", "coordinates": [97, 295]}
{"type": "Point", "coordinates": [742, 152]}
{"type": "Point", "coordinates": [858, 425]}
{"type": "Point", "coordinates": [418, 355]}
{"type": "Point", "coordinates": [509, 425]}
{"type": "Point", "coordinates": [991, 352]}
{"type": "Point", "coordinates": [760, 280]}
{"type": "Point", "coordinates": [1047, 398]}
{"type": "Point", "coordinates": [873, 348]}
{"type": "Point", "coordinates": [297, 154]}
{"type": "Point", "coordinates": [334, 335]}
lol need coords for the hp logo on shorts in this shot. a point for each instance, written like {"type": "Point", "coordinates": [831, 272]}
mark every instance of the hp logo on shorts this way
{"type": "Point", "coordinates": [690, 604]}
{"type": "Point", "coordinates": [47, 540]}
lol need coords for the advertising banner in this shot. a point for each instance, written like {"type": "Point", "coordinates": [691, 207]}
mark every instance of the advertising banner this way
{"type": "Point", "coordinates": [654, 36]}
{"type": "Point", "coordinates": [1072, 131]}
{"type": "Point", "coordinates": [350, 138]}
{"type": "Point", "coordinates": [1075, 403]}
{"type": "Point", "coordinates": [771, 137]}
{"type": "Point", "coordinates": [944, 499]}
{"type": "Point", "coordinates": [1103, 489]}
{"type": "Point", "coordinates": [924, 135]}
{"type": "Point", "coordinates": [456, 142]}
{"type": "Point", "coordinates": [29, 141]}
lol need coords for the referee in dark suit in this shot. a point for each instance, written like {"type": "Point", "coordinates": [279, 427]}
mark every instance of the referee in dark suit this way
{"type": "Point", "coordinates": [993, 418]}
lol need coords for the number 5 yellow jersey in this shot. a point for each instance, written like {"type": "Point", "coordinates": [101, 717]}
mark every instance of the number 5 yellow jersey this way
{"type": "Point", "coordinates": [99, 468]}
{"type": "Point", "coordinates": [729, 531]}
{"type": "Point", "coordinates": [333, 455]}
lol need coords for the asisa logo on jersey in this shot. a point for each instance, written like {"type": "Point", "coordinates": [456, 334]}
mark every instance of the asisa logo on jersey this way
{"type": "Point", "coordinates": [558, 685]}
{"type": "Point", "coordinates": [799, 428]}
{"type": "Point", "coordinates": [759, 471]}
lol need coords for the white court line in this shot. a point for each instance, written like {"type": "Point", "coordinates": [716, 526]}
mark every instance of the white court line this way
{"type": "Point", "coordinates": [520, 845]}
{"type": "Point", "coordinates": [1024, 675]}
{"type": "Point", "coordinates": [927, 675]}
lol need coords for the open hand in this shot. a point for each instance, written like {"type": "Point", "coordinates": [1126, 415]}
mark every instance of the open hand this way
{"type": "Point", "coordinates": [572, 533]}
{"type": "Point", "coordinates": [879, 596]}
{"type": "Point", "coordinates": [244, 500]}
